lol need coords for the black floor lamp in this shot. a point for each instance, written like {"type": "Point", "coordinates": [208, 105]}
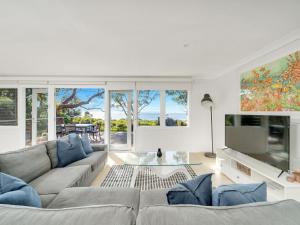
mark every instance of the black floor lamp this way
{"type": "Point", "coordinates": [208, 103]}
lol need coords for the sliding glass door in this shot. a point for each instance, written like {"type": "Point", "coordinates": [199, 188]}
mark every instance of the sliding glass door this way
{"type": "Point", "coordinates": [81, 111]}
{"type": "Point", "coordinates": [121, 120]}
{"type": "Point", "coordinates": [36, 115]}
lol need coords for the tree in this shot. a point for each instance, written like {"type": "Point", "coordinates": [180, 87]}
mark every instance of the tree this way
{"type": "Point", "coordinates": [8, 106]}
{"type": "Point", "coordinates": [87, 114]}
{"type": "Point", "coordinates": [70, 100]}
{"type": "Point", "coordinates": [42, 99]}
{"type": "Point", "coordinates": [145, 97]}
{"type": "Point", "coordinates": [69, 103]}
{"type": "Point", "coordinates": [178, 96]}
{"type": "Point", "coordinates": [73, 101]}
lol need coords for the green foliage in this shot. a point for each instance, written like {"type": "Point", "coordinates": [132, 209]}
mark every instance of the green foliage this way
{"type": "Point", "coordinates": [8, 106]}
{"type": "Point", "coordinates": [178, 96]}
{"type": "Point", "coordinates": [170, 122]}
{"type": "Point", "coordinates": [118, 125]}
{"type": "Point", "coordinates": [71, 112]}
{"type": "Point", "coordinates": [145, 98]}
{"type": "Point", "coordinates": [148, 122]}
{"type": "Point", "coordinates": [5, 101]}
{"type": "Point", "coordinates": [119, 101]}
{"type": "Point", "coordinates": [85, 120]}
{"type": "Point", "coordinates": [181, 123]}
{"type": "Point", "coordinates": [42, 99]}
{"type": "Point", "coordinates": [229, 121]}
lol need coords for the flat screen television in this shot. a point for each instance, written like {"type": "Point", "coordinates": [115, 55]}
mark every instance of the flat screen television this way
{"type": "Point", "coordinates": [265, 138]}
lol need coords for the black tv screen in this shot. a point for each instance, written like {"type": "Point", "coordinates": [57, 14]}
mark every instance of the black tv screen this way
{"type": "Point", "coordinates": [265, 138]}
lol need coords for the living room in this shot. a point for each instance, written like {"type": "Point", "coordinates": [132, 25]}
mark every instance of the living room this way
{"type": "Point", "coordinates": [187, 103]}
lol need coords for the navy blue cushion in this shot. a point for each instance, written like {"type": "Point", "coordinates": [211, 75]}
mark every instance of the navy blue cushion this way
{"type": "Point", "coordinates": [15, 191]}
{"type": "Point", "coordinates": [70, 150]}
{"type": "Point", "coordinates": [236, 194]}
{"type": "Point", "coordinates": [85, 141]}
{"type": "Point", "coordinates": [196, 191]}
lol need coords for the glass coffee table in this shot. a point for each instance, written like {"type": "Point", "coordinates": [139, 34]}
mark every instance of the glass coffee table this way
{"type": "Point", "coordinates": [170, 163]}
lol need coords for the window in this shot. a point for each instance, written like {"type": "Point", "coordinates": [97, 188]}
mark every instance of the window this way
{"type": "Point", "coordinates": [80, 110]}
{"type": "Point", "coordinates": [176, 108]}
{"type": "Point", "coordinates": [148, 108]}
{"type": "Point", "coordinates": [8, 107]}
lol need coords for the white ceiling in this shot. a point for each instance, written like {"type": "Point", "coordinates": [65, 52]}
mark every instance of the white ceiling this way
{"type": "Point", "coordinates": [138, 38]}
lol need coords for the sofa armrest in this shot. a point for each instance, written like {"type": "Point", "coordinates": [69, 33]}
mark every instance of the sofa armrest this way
{"type": "Point", "coordinates": [99, 147]}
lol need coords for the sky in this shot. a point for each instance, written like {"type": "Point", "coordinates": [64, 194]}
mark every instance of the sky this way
{"type": "Point", "coordinates": [149, 112]}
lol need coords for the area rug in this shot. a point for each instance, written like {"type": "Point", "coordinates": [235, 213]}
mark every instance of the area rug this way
{"type": "Point", "coordinates": [121, 175]}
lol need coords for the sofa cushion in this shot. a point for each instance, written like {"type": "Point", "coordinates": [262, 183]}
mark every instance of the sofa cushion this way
{"type": "Point", "coordinates": [84, 196]}
{"type": "Point", "coordinates": [47, 199]}
{"type": "Point", "coordinates": [275, 213]}
{"type": "Point", "coordinates": [197, 191]}
{"type": "Point", "coordinates": [85, 141]}
{"type": "Point", "coordinates": [26, 164]}
{"type": "Point", "coordinates": [236, 194]}
{"type": "Point", "coordinates": [14, 191]}
{"type": "Point", "coordinates": [58, 179]}
{"type": "Point", "coordinates": [153, 197]}
{"type": "Point", "coordinates": [99, 147]}
{"type": "Point", "coordinates": [69, 151]}
{"type": "Point", "coordinates": [52, 152]}
{"type": "Point", "coordinates": [89, 215]}
{"type": "Point", "coordinates": [94, 160]}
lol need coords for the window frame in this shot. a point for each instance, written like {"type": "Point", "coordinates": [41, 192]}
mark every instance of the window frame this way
{"type": "Point", "coordinates": [162, 92]}
{"type": "Point", "coordinates": [83, 86]}
{"type": "Point", "coordinates": [16, 106]}
{"type": "Point", "coordinates": [160, 105]}
{"type": "Point", "coordinates": [187, 107]}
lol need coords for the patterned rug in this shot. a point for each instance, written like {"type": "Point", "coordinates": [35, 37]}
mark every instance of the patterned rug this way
{"type": "Point", "coordinates": [121, 175]}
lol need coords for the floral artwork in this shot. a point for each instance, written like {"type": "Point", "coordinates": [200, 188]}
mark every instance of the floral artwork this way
{"type": "Point", "coordinates": [272, 87]}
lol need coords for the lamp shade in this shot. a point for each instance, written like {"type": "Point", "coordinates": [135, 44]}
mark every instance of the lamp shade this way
{"type": "Point", "coordinates": [207, 101]}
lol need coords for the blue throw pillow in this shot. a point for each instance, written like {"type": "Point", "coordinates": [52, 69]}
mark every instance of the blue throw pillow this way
{"type": "Point", "coordinates": [69, 151]}
{"type": "Point", "coordinates": [85, 141]}
{"type": "Point", "coordinates": [236, 194]}
{"type": "Point", "coordinates": [15, 191]}
{"type": "Point", "coordinates": [196, 191]}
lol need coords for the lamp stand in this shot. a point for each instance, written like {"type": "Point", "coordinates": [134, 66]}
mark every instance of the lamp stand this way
{"type": "Point", "coordinates": [211, 154]}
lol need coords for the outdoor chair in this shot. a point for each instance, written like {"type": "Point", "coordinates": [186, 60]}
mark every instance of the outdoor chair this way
{"type": "Point", "coordinates": [94, 132]}
{"type": "Point", "coordinates": [60, 130]}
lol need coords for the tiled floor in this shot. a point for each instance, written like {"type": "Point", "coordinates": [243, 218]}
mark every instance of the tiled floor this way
{"type": "Point", "coordinates": [208, 165]}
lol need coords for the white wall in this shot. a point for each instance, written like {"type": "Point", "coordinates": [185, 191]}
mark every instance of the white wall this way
{"type": "Point", "coordinates": [9, 138]}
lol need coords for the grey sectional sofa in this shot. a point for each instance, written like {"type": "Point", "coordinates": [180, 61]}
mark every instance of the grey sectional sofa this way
{"type": "Point", "coordinates": [90, 215]}
{"type": "Point", "coordinates": [67, 201]}
{"type": "Point", "coordinates": [273, 213]}
{"type": "Point", "coordinates": [86, 196]}
{"type": "Point", "coordinates": [119, 206]}
{"type": "Point", "coordinates": [37, 166]}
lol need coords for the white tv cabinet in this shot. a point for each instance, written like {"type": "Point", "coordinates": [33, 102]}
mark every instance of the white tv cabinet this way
{"type": "Point", "coordinates": [277, 188]}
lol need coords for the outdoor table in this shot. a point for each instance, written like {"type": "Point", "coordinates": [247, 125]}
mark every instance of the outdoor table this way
{"type": "Point", "coordinates": [83, 127]}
